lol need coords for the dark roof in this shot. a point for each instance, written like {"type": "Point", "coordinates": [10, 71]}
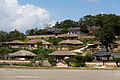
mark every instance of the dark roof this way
{"type": "Point", "coordinates": [73, 29]}
{"type": "Point", "coordinates": [102, 53]}
{"type": "Point", "coordinates": [62, 53]}
{"type": "Point", "coordinates": [54, 30]}
{"type": "Point", "coordinates": [50, 30]}
{"type": "Point", "coordinates": [94, 28]}
{"type": "Point", "coordinates": [57, 31]}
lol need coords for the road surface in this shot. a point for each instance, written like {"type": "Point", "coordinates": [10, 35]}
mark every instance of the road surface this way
{"type": "Point", "coordinates": [37, 74]}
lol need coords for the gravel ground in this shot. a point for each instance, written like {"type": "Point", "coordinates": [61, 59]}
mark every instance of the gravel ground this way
{"type": "Point", "coordinates": [37, 74]}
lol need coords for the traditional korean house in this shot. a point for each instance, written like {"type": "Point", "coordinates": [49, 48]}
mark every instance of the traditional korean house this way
{"type": "Point", "coordinates": [14, 44]}
{"type": "Point", "coordinates": [21, 55]}
{"type": "Point", "coordinates": [59, 56]}
{"type": "Point", "coordinates": [102, 55]}
{"type": "Point", "coordinates": [53, 31]}
{"type": "Point", "coordinates": [70, 44]}
{"type": "Point", "coordinates": [31, 44]}
{"type": "Point", "coordinates": [34, 43]}
{"type": "Point", "coordinates": [93, 29]}
{"type": "Point", "coordinates": [75, 30]}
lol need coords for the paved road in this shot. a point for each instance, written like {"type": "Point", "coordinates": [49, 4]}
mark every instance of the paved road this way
{"type": "Point", "coordinates": [29, 74]}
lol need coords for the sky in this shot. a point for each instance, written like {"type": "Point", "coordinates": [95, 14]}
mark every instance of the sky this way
{"type": "Point", "coordinates": [27, 14]}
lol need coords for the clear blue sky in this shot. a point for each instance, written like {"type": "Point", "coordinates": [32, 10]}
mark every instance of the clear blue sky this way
{"type": "Point", "coordinates": [75, 9]}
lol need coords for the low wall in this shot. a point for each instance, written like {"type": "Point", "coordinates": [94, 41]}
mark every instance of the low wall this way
{"type": "Point", "coordinates": [14, 61]}
{"type": "Point", "coordinates": [100, 63]}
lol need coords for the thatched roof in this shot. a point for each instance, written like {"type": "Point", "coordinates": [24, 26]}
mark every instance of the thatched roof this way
{"type": "Point", "coordinates": [77, 42]}
{"type": "Point", "coordinates": [22, 53]}
{"type": "Point", "coordinates": [34, 41]}
{"type": "Point", "coordinates": [14, 42]}
{"type": "Point", "coordinates": [62, 53]}
{"type": "Point", "coordinates": [68, 35]}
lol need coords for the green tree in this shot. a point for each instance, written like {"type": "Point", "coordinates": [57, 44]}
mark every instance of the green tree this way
{"type": "Point", "coordinates": [79, 61]}
{"type": "Point", "coordinates": [3, 36]}
{"type": "Point", "coordinates": [4, 52]}
{"type": "Point", "coordinates": [88, 58]}
{"type": "Point", "coordinates": [16, 35]}
{"type": "Point", "coordinates": [66, 24]}
{"type": "Point", "coordinates": [54, 40]}
{"type": "Point", "coordinates": [105, 36]}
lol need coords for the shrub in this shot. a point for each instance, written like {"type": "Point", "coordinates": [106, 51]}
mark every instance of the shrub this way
{"type": "Point", "coordinates": [54, 40]}
{"type": "Point", "coordinates": [68, 61]}
{"type": "Point", "coordinates": [52, 61]}
{"type": "Point", "coordinates": [79, 61]}
{"type": "Point", "coordinates": [89, 58]}
{"type": "Point", "coordinates": [42, 53]}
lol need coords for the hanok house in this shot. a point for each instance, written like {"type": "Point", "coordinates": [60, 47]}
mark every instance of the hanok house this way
{"type": "Point", "coordinates": [70, 43]}
{"type": "Point", "coordinates": [75, 30]}
{"type": "Point", "coordinates": [21, 55]}
{"type": "Point", "coordinates": [93, 29]}
{"type": "Point", "coordinates": [34, 43]}
{"type": "Point", "coordinates": [101, 55]}
{"type": "Point", "coordinates": [14, 44]}
{"type": "Point", "coordinates": [53, 31]}
{"type": "Point", "coordinates": [59, 56]}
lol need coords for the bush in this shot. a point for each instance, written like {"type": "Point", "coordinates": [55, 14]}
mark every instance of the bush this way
{"type": "Point", "coordinates": [68, 61]}
{"type": "Point", "coordinates": [89, 58]}
{"type": "Point", "coordinates": [23, 64]}
{"type": "Point", "coordinates": [52, 61]}
{"type": "Point", "coordinates": [42, 53]}
{"type": "Point", "coordinates": [81, 64]}
{"type": "Point", "coordinates": [54, 40]}
{"type": "Point", "coordinates": [79, 61]}
{"type": "Point", "coordinates": [4, 64]}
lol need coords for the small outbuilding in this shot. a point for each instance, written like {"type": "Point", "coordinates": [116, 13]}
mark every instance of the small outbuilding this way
{"type": "Point", "coordinates": [21, 55]}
